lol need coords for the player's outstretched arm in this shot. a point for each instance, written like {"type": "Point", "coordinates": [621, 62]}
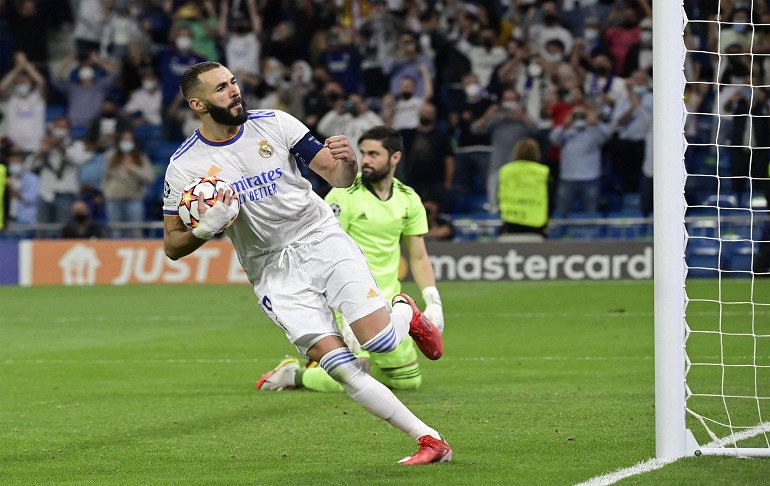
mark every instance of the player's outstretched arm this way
{"type": "Point", "coordinates": [336, 162]}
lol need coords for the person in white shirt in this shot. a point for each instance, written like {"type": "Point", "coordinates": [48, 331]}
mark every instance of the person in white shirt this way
{"type": "Point", "coordinates": [25, 89]}
{"type": "Point", "coordinates": [298, 259]}
{"type": "Point", "coordinates": [351, 117]}
{"type": "Point", "coordinates": [145, 104]}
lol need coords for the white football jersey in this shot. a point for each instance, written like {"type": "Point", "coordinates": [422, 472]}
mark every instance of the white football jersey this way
{"type": "Point", "coordinates": [278, 205]}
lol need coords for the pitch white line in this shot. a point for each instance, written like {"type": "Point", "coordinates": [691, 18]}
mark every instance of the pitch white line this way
{"type": "Point", "coordinates": [654, 464]}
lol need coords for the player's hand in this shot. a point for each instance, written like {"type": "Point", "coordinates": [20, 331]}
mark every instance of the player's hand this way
{"type": "Point", "coordinates": [214, 219]}
{"type": "Point", "coordinates": [341, 149]}
{"type": "Point", "coordinates": [435, 313]}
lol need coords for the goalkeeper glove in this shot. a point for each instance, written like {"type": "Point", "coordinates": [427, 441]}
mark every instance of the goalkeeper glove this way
{"type": "Point", "coordinates": [214, 221]}
{"type": "Point", "coordinates": [433, 308]}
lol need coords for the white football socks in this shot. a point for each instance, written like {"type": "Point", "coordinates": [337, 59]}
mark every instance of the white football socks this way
{"type": "Point", "coordinates": [341, 365]}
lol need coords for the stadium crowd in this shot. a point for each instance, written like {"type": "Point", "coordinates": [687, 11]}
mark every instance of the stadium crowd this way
{"type": "Point", "coordinates": [464, 82]}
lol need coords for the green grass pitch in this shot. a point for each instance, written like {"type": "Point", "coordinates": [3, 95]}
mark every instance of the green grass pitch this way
{"type": "Point", "coordinates": [541, 384]}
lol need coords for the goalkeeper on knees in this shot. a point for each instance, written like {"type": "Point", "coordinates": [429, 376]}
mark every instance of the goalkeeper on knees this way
{"type": "Point", "coordinates": [381, 214]}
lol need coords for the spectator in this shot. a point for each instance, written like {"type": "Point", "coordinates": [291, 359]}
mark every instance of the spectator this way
{"type": "Point", "coordinates": [242, 46]}
{"type": "Point", "coordinates": [523, 191]}
{"type": "Point", "coordinates": [408, 61]}
{"type": "Point", "coordinates": [378, 40]}
{"type": "Point", "coordinates": [89, 23]}
{"type": "Point", "coordinates": [550, 28]}
{"type": "Point", "coordinates": [341, 60]}
{"type": "Point", "coordinates": [440, 225]}
{"type": "Point", "coordinates": [299, 84]}
{"type": "Point", "coordinates": [120, 28]}
{"type": "Point", "coordinates": [621, 39]}
{"type": "Point", "coordinates": [429, 165]}
{"type": "Point", "coordinates": [80, 224]}
{"type": "Point", "coordinates": [581, 140]}
{"type": "Point", "coordinates": [199, 19]}
{"type": "Point", "coordinates": [472, 150]}
{"type": "Point", "coordinates": [632, 118]}
{"type": "Point", "coordinates": [484, 56]}
{"type": "Point", "coordinates": [26, 108]}
{"type": "Point", "coordinates": [285, 44]}
{"type": "Point", "coordinates": [23, 187]}
{"type": "Point", "coordinates": [351, 117]}
{"type": "Point", "coordinates": [640, 55]}
{"type": "Point", "coordinates": [108, 123]}
{"type": "Point", "coordinates": [173, 61]}
{"type": "Point", "coordinates": [403, 112]}
{"type": "Point", "coordinates": [145, 105]}
{"type": "Point", "coordinates": [506, 123]}
{"type": "Point", "coordinates": [321, 97]}
{"type": "Point", "coordinates": [57, 161]}
{"type": "Point", "coordinates": [30, 27]}
{"type": "Point", "coordinates": [86, 93]}
{"type": "Point", "coordinates": [267, 94]}
{"type": "Point", "coordinates": [184, 118]}
{"type": "Point", "coordinates": [735, 32]}
{"type": "Point", "coordinates": [645, 189]}
{"type": "Point", "coordinates": [602, 87]}
{"type": "Point", "coordinates": [137, 61]}
{"type": "Point", "coordinates": [127, 175]}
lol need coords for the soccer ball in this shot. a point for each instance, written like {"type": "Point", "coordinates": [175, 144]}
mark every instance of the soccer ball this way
{"type": "Point", "coordinates": [205, 188]}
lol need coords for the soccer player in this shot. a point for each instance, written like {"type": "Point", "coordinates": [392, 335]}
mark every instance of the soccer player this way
{"type": "Point", "coordinates": [377, 211]}
{"type": "Point", "coordinates": [299, 261]}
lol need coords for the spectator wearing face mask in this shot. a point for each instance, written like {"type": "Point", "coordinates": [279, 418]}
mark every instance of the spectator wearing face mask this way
{"type": "Point", "coordinates": [24, 89]}
{"type": "Point", "coordinates": [200, 20]}
{"type": "Point", "coordinates": [104, 128]}
{"type": "Point", "coordinates": [23, 187]}
{"type": "Point", "coordinates": [145, 104]}
{"type": "Point", "coordinates": [127, 175]}
{"type": "Point", "coordinates": [80, 224]}
{"type": "Point", "coordinates": [86, 92]}
{"type": "Point", "coordinates": [506, 123]}
{"type": "Point", "coordinates": [485, 55]}
{"type": "Point", "coordinates": [350, 117]}
{"type": "Point", "coordinates": [601, 87]}
{"type": "Point", "coordinates": [403, 112]}
{"type": "Point", "coordinates": [581, 139]}
{"type": "Point", "coordinates": [173, 61]}
{"type": "Point", "coordinates": [243, 49]}
{"type": "Point", "coordinates": [640, 55]}
{"type": "Point", "coordinates": [550, 28]}
{"type": "Point", "coordinates": [622, 38]}
{"type": "Point", "coordinates": [737, 32]}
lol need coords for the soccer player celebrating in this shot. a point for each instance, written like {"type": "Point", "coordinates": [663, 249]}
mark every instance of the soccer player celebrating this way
{"type": "Point", "coordinates": [299, 261]}
{"type": "Point", "coordinates": [377, 211]}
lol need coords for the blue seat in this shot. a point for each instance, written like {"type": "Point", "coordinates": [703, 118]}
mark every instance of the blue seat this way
{"type": "Point", "coordinates": [703, 258]}
{"type": "Point", "coordinates": [587, 230]}
{"type": "Point", "coordinates": [741, 257]}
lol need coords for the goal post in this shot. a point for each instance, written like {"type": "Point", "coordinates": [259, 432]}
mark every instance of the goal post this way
{"type": "Point", "coordinates": [712, 312]}
{"type": "Point", "coordinates": [669, 204]}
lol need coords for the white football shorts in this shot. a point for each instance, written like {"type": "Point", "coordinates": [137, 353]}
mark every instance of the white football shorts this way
{"type": "Point", "coordinates": [302, 283]}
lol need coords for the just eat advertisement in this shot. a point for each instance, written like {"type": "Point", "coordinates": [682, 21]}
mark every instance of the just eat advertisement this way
{"type": "Point", "coordinates": [120, 262]}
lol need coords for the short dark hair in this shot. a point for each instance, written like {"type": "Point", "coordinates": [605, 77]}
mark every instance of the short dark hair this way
{"type": "Point", "coordinates": [389, 137]}
{"type": "Point", "coordinates": [190, 80]}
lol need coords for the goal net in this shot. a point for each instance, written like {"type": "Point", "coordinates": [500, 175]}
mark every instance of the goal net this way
{"type": "Point", "coordinates": [712, 297]}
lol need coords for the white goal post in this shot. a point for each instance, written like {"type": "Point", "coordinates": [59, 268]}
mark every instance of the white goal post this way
{"type": "Point", "coordinates": [729, 419]}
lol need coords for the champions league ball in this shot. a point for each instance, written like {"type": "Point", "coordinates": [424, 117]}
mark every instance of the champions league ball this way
{"type": "Point", "coordinates": [204, 188]}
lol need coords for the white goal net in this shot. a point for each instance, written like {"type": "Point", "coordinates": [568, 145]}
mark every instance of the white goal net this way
{"type": "Point", "coordinates": [723, 188]}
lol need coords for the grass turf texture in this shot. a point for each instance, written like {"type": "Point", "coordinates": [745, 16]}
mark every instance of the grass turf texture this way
{"type": "Point", "coordinates": [541, 383]}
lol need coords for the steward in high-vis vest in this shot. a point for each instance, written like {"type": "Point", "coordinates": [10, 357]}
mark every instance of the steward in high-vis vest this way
{"type": "Point", "coordinates": [523, 191]}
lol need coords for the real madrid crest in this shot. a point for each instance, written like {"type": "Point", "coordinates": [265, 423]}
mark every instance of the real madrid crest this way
{"type": "Point", "coordinates": [265, 149]}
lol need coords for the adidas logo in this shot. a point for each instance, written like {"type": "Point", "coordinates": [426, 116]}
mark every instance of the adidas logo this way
{"type": "Point", "coordinates": [213, 170]}
{"type": "Point", "coordinates": [372, 294]}
{"type": "Point", "coordinates": [363, 216]}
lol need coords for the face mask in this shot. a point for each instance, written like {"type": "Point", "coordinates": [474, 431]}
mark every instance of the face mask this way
{"type": "Point", "coordinates": [14, 169]}
{"type": "Point", "coordinates": [149, 84]}
{"type": "Point", "coordinates": [86, 73]}
{"type": "Point", "coordinates": [601, 71]}
{"type": "Point", "coordinates": [488, 43]}
{"type": "Point", "coordinates": [591, 35]}
{"type": "Point", "coordinates": [426, 122]}
{"type": "Point", "coordinates": [534, 70]}
{"type": "Point", "coordinates": [549, 18]}
{"type": "Point", "coordinates": [552, 57]}
{"type": "Point", "coordinates": [640, 90]}
{"type": "Point", "coordinates": [80, 218]}
{"type": "Point", "coordinates": [473, 90]}
{"type": "Point", "coordinates": [126, 146]}
{"type": "Point", "coordinates": [406, 96]}
{"type": "Point", "coordinates": [23, 89]}
{"type": "Point", "coordinates": [646, 37]}
{"type": "Point", "coordinates": [272, 78]}
{"type": "Point", "coordinates": [184, 43]}
{"type": "Point", "coordinates": [579, 124]}
{"type": "Point", "coordinates": [60, 133]}
{"type": "Point", "coordinates": [509, 105]}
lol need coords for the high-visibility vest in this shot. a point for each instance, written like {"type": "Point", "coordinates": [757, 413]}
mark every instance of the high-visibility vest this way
{"type": "Point", "coordinates": [523, 193]}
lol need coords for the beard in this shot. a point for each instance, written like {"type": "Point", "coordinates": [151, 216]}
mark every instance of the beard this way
{"type": "Point", "coordinates": [223, 115]}
{"type": "Point", "coordinates": [371, 175]}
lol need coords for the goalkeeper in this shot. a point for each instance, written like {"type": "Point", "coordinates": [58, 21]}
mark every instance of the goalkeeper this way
{"type": "Point", "coordinates": [379, 212]}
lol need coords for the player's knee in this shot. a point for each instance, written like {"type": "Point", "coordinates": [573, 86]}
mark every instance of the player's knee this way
{"type": "Point", "coordinates": [406, 383]}
{"type": "Point", "coordinates": [383, 342]}
{"type": "Point", "coordinates": [341, 365]}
